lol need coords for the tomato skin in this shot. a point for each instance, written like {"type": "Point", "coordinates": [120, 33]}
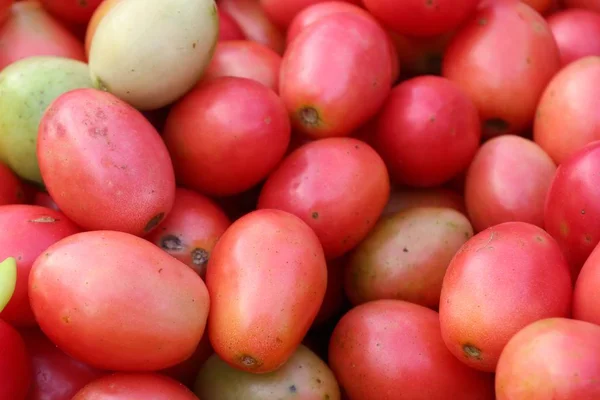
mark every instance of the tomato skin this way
{"type": "Point", "coordinates": [32, 230]}
{"type": "Point", "coordinates": [556, 358]}
{"type": "Point", "coordinates": [503, 58]}
{"type": "Point", "coordinates": [76, 167]}
{"type": "Point", "coordinates": [338, 186]}
{"type": "Point", "coordinates": [567, 117]}
{"type": "Point", "coordinates": [86, 291]}
{"type": "Point", "coordinates": [191, 230]}
{"type": "Point", "coordinates": [427, 131]}
{"type": "Point", "coordinates": [327, 101]}
{"type": "Point", "coordinates": [585, 296]}
{"type": "Point", "coordinates": [384, 345]}
{"type": "Point", "coordinates": [123, 386]}
{"type": "Point", "coordinates": [501, 280]}
{"type": "Point", "coordinates": [74, 11]}
{"type": "Point", "coordinates": [99, 13]}
{"type": "Point", "coordinates": [30, 31]}
{"type": "Point", "coordinates": [234, 116]}
{"type": "Point", "coordinates": [267, 278]}
{"type": "Point", "coordinates": [11, 188]}
{"type": "Point", "coordinates": [56, 376]}
{"type": "Point", "coordinates": [228, 28]}
{"type": "Point", "coordinates": [15, 367]}
{"type": "Point", "coordinates": [508, 181]}
{"type": "Point", "coordinates": [406, 198]}
{"type": "Point", "coordinates": [283, 13]}
{"type": "Point", "coordinates": [245, 59]}
{"type": "Point", "coordinates": [577, 34]}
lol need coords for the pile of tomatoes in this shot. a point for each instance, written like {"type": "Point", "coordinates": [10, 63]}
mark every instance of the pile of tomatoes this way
{"type": "Point", "coordinates": [299, 199]}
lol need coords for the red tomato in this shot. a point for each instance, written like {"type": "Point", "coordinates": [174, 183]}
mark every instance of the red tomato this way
{"type": "Point", "coordinates": [245, 59]}
{"type": "Point", "coordinates": [191, 230]}
{"type": "Point", "coordinates": [326, 99]}
{"type": "Point", "coordinates": [31, 31]}
{"type": "Point", "coordinates": [56, 376]}
{"type": "Point", "coordinates": [254, 23]}
{"type": "Point", "coordinates": [500, 281]}
{"type": "Point", "coordinates": [11, 188]}
{"type": "Point", "coordinates": [592, 5]}
{"type": "Point", "coordinates": [404, 199]}
{"type": "Point", "coordinates": [572, 212]}
{"type": "Point", "coordinates": [283, 12]}
{"type": "Point", "coordinates": [117, 302]}
{"type": "Point", "coordinates": [508, 181]}
{"type": "Point", "coordinates": [45, 200]}
{"type": "Point", "coordinates": [387, 346]}
{"type": "Point", "coordinates": [503, 59]}
{"type": "Point", "coordinates": [99, 177]}
{"type": "Point", "coordinates": [135, 386]}
{"type": "Point", "coordinates": [267, 278]}
{"type": "Point", "coordinates": [586, 304]}
{"type": "Point", "coordinates": [567, 116]}
{"type": "Point", "coordinates": [15, 367]}
{"type": "Point", "coordinates": [427, 131]}
{"type": "Point", "coordinates": [228, 28]}
{"type": "Point", "coordinates": [554, 358]}
{"type": "Point", "coordinates": [104, 7]}
{"type": "Point", "coordinates": [421, 56]}
{"type": "Point", "coordinates": [227, 135]}
{"type": "Point", "coordinates": [421, 18]}
{"type": "Point", "coordinates": [29, 231]}
{"type": "Point", "coordinates": [186, 371]}
{"type": "Point", "coordinates": [77, 11]}
{"type": "Point", "coordinates": [338, 186]}
{"type": "Point", "coordinates": [577, 33]}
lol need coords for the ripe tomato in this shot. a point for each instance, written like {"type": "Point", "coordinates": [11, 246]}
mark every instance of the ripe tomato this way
{"type": "Point", "coordinates": [15, 367]}
{"type": "Point", "coordinates": [135, 386]}
{"type": "Point", "coordinates": [577, 34]}
{"type": "Point", "coordinates": [73, 11]}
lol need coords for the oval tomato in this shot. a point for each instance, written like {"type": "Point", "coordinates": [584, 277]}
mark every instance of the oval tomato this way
{"type": "Point", "coordinates": [15, 367]}
{"type": "Point", "coordinates": [338, 186]}
{"type": "Point", "coordinates": [135, 386]}
{"type": "Point", "coordinates": [586, 304]}
{"type": "Point", "coordinates": [577, 34]}
{"type": "Point", "coordinates": [267, 278]}
{"type": "Point", "coordinates": [117, 302]}
{"type": "Point", "coordinates": [500, 281]}
{"type": "Point", "coordinates": [74, 11]}
{"type": "Point", "coordinates": [11, 188]}
{"type": "Point", "coordinates": [228, 28]}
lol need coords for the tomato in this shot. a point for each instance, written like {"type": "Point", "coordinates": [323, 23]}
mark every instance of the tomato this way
{"type": "Point", "coordinates": [29, 231]}
{"type": "Point", "coordinates": [123, 386]}
{"type": "Point", "coordinates": [11, 188]}
{"type": "Point", "coordinates": [338, 186]}
{"type": "Point", "coordinates": [227, 135]}
{"type": "Point", "coordinates": [76, 11]}
{"type": "Point", "coordinates": [191, 230]}
{"type": "Point", "coordinates": [404, 199]}
{"type": "Point", "coordinates": [325, 99]}
{"type": "Point", "coordinates": [422, 18]}
{"type": "Point", "coordinates": [572, 214]}
{"type": "Point", "coordinates": [405, 256]}
{"type": "Point", "coordinates": [421, 56]}
{"type": "Point", "coordinates": [503, 58]}
{"type": "Point", "coordinates": [117, 302]}
{"type": "Point", "coordinates": [501, 280]}
{"type": "Point", "coordinates": [104, 179]}
{"type": "Point", "coordinates": [567, 117]}
{"type": "Point", "coordinates": [555, 358]}
{"type": "Point", "coordinates": [334, 299]}
{"type": "Point", "coordinates": [266, 277]}
{"type": "Point", "coordinates": [254, 23]}
{"type": "Point", "coordinates": [245, 59]}
{"type": "Point", "coordinates": [31, 31]}
{"type": "Point", "coordinates": [45, 200]}
{"type": "Point", "coordinates": [99, 13]}
{"type": "Point", "coordinates": [186, 371]}
{"type": "Point", "coordinates": [387, 346]}
{"type": "Point", "coordinates": [56, 376]}
{"type": "Point", "coordinates": [427, 131]}
{"type": "Point", "coordinates": [15, 367]}
{"type": "Point", "coordinates": [508, 181]}
{"type": "Point", "coordinates": [577, 33]}
{"type": "Point", "coordinates": [228, 28]}
{"type": "Point", "coordinates": [585, 296]}
{"type": "Point", "coordinates": [592, 5]}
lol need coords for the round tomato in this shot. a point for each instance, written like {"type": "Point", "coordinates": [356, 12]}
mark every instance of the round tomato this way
{"type": "Point", "coordinates": [135, 386]}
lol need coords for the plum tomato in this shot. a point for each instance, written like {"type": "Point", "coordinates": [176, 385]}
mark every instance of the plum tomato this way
{"type": "Point", "coordinates": [406, 198]}
{"type": "Point", "coordinates": [577, 34]}
{"type": "Point", "coordinates": [586, 304]}
{"type": "Point", "coordinates": [15, 364]}
{"type": "Point", "coordinates": [73, 11]}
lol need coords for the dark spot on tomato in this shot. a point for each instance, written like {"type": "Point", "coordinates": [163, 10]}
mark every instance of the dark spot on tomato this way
{"type": "Point", "coordinates": [44, 220]}
{"type": "Point", "coordinates": [482, 21]}
{"type": "Point", "coordinates": [83, 3]}
{"type": "Point", "coordinates": [194, 45]}
{"type": "Point", "coordinates": [495, 127]}
{"type": "Point", "coordinates": [309, 116]}
{"type": "Point", "coordinates": [171, 243]}
{"type": "Point", "coordinates": [319, 381]}
{"type": "Point", "coordinates": [66, 319]}
{"type": "Point", "coordinates": [315, 215]}
{"type": "Point", "coordinates": [472, 352]}
{"type": "Point", "coordinates": [249, 361]}
{"type": "Point", "coordinates": [588, 238]}
{"type": "Point", "coordinates": [200, 256]}
{"type": "Point", "coordinates": [154, 222]}
{"type": "Point", "coordinates": [405, 250]}
{"type": "Point", "coordinates": [292, 389]}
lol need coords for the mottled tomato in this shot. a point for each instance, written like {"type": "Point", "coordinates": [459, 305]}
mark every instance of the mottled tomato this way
{"type": "Point", "coordinates": [245, 59]}
{"type": "Point", "coordinates": [191, 230]}
{"type": "Point", "coordinates": [228, 28]}
{"type": "Point", "coordinates": [15, 365]}
{"type": "Point", "coordinates": [122, 386]}
{"type": "Point", "coordinates": [56, 376]}
{"type": "Point", "coordinates": [572, 214]}
{"type": "Point", "coordinates": [186, 371]}
{"type": "Point", "coordinates": [254, 23]}
{"type": "Point", "coordinates": [427, 131]}
{"type": "Point", "coordinates": [326, 101]}
{"type": "Point", "coordinates": [117, 302]}
{"type": "Point", "coordinates": [405, 256]}
{"type": "Point", "coordinates": [338, 186]}
{"type": "Point", "coordinates": [30, 31]}
{"type": "Point", "coordinates": [11, 188]}
{"type": "Point", "coordinates": [503, 59]}
{"type": "Point", "coordinates": [77, 11]}
{"type": "Point", "coordinates": [104, 7]}
{"type": "Point", "coordinates": [421, 18]}
{"type": "Point", "coordinates": [387, 346]}
{"type": "Point", "coordinates": [586, 299]}
{"type": "Point", "coordinates": [45, 200]}
{"type": "Point", "coordinates": [508, 181]}
{"type": "Point", "coordinates": [577, 34]}
{"type": "Point", "coordinates": [567, 117]}
{"type": "Point", "coordinates": [405, 198]}
{"type": "Point", "coordinates": [333, 301]}
{"type": "Point", "coordinates": [98, 176]}
{"type": "Point", "coordinates": [227, 135]}
{"type": "Point", "coordinates": [267, 278]}
{"type": "Point", "coordinates": [592, 5]}
{"type": "Point", "coordinates": [555, 358]}
{"type": "Point", "coordinates": [29, 231]}
{"type": "Point", "coordinates": [421, 56]}
{"type": "Point", "coordinates": [500, 281]}
{"type": "Point", "coordinates": [283, 12]}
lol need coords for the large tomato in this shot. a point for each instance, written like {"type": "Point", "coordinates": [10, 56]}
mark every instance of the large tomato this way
{"type": "Point", "coordinates": [135, 386]}
{"type": "Point", "coordinates": [577, 33]}
{"type": "Point", "coordinates": [15, 366]}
